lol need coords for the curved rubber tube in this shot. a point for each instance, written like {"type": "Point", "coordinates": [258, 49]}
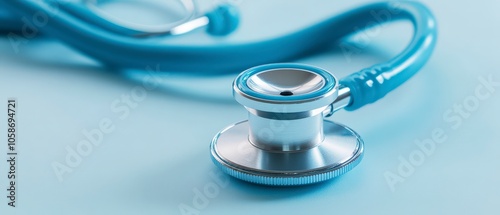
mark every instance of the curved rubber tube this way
{"type": "Point", "coordinates": [366, 86]}
{"type": "Point", "coordinates": [10, 22]}
{"type": "Point", "coordinates": [373, 83]}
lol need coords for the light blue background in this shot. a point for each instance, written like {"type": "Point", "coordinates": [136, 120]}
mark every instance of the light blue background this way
{"type": "Point", "coordinates": [158, 157]}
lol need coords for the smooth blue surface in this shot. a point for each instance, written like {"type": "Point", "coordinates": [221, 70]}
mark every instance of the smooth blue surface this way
{"type": "Point", "coordinates": [150, 165]}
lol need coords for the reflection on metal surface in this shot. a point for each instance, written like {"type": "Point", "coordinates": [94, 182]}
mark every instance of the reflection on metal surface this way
{"type": "Point", "coordinates": [286, 140]}
{"type": "Point", "coordinates": [339, 152]}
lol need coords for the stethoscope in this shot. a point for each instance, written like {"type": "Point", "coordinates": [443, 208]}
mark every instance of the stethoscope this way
{"type": "Point", "coordinates": [286, 139]}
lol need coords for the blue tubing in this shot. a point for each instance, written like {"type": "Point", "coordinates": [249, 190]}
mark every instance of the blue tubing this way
{"type": "Point", "coordinates": [367, 85]}
{"type": "Point", "coordinates": [373, 83]}
{"type": "Point", "coordinates": [10, 22]}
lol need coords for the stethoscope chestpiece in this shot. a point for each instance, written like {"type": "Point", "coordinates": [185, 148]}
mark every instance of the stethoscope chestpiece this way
{"type": "Point", "coordinates": [286, 140]}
